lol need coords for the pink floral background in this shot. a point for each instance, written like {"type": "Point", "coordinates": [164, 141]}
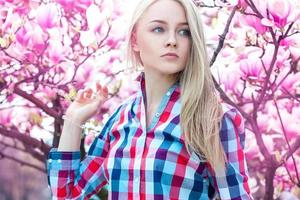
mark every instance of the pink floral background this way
{"type": "Point", "coordinates": [51, 49]}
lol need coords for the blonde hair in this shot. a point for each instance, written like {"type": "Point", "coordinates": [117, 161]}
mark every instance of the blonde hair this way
{"type": "Point", "coordinates": [201, 112]}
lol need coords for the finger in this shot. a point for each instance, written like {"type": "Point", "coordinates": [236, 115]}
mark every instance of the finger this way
{"type": "Point", "coordinates": [105, 91]}
{"type": "Point", "coordinates": [98, 86]}
{"type": "Point", "coordinates": [79, 96]}
{"type": "Point", "coordinates": [88, 93]}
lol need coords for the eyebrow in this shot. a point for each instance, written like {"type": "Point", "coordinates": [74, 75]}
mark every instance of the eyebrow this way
{"type": "Point", "coordinates": [164, 22]}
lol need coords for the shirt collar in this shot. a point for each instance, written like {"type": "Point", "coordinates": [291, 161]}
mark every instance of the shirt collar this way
{"type": "Point", "coordinates": [141, 79]}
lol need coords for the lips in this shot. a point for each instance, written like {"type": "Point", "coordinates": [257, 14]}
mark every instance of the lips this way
{"type": "Point", "coordinates": [170, 55]}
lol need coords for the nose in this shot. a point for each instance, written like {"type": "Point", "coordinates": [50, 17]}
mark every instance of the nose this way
{"type": "Point", "coordinates": [171, 40]}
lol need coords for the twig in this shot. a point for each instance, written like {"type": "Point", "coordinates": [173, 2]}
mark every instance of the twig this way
{"type": "Point", "coordinates": [2, 156]}
{"type": "Point", "coordinates": [222, 37]}
{"type": "Point", "coordinates": [36, 102]}
{"type": "Point", "coordinates": [286, 139]}
{"type": "Point", "coordinates": [34, 143]}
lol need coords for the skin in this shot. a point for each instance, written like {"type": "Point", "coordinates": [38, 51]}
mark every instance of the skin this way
{"type": "Point", "coordinates": [151, 40]}
{"type": "Point", "coordinates": [163, 28]}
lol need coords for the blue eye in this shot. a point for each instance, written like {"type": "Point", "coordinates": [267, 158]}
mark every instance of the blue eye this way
{"type": "Point", "coordinates": [158, 29]}
{"type": "Point", "coordinates": [185, 32]}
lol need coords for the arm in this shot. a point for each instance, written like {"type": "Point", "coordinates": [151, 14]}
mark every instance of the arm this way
{"type": "Point", "coordinates": [233, 184]}
{"type": "Point", "coordinates": [70, 178]}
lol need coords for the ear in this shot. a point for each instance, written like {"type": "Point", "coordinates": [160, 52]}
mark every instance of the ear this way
{"type": "Point", "coordinates": [134, 41]}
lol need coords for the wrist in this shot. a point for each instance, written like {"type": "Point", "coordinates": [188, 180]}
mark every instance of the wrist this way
{"type": "Point", "coordinates": [73, 118]}
{"type": "Point", "coordinates": [73, 121]}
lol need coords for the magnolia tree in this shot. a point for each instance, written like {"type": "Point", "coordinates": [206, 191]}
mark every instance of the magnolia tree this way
{"type": "Point", "coordinates": [51, 49]}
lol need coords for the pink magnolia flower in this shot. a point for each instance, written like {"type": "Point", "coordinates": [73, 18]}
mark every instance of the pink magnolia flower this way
{"type": "Point", "coordinates": [66, 3]}
{"type": "Point", "coordinates": [80, 5]}
{"type": "Point", "coordinates": [239, 3]}
{"type": "Point", "coordinates": [89, 139]}
{"type": "Point", "coordinates": [282, 58]}
{"type": "Point", "coordinates": [37, 40]}
{"type": "Point", "coordinates": [292, 44]}
{"type": "Point", "coordinates": [112, 43]}
{"type": "Point", "coordinates": [289, 119]}
{"type": "Point", "coordinates": [254, 22]}
{"type": "Point", "coordinates": [291, 83]}
{"type": "Point", "coordinates": [31, 36]}
{"type": "Point", "coordinates": [92, 13]}
{"type": "Point", "coordinates": [9, 20]}
{"type": "Point", "coordinates": [3, 14]}
{"type": "Point", "coordinates": [230, 79]}
{"type": "Point", "coordinates": [47, 15]}
{"type": "Point", "coordinates": [251, 150]}
{"type": "Point", "coordinates": [279, 11]}
{"type": "Point", "coordinates": [22, 37]}
{"type": "Point", "coordinates": [87, 38]}
{"type": "Point", "coordinates": [84, 4]}
{"type": "Point", "coordinates": [56, 51]}
{"type": "Point", "coordinates": [5, 117]}
{"type": "Point", "coordinates": [251, 69]}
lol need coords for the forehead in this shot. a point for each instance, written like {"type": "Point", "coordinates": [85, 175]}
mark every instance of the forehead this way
{"type": "Point", "coordinates": [165, 10]}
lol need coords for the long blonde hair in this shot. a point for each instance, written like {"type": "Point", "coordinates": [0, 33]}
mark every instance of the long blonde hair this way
{"type": "Point", "coordinates": [201, 111]}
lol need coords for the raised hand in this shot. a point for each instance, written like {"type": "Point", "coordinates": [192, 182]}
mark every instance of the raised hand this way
{"type": "Point", "coordinates": [87, 103]}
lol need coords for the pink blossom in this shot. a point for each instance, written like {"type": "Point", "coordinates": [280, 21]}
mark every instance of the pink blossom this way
{"type": "Point", "coordinates": [282, 58]}
{"type": "Point", "coordinates": [251, 68]}
{"type": "Point", "coordinates": [22, 36]}
{"type": "Point", "coordinates": [89, 138]}
{"type": "Point", "coordinates": [84, 4]}
{"type": "Point", "coordinates": [5, 117]}
{"type": "Point", "coordinates": [56, 51]}
{"type": "Point", "coordinates": [92, 13]}
{"type": "Point", "coordinates": [47, 15]}
{"type": "Point", "coordinates": [251, 149]}
{"type": "Point", "coordinates": [279, 11]}
{"type": "Point", "coordinates": [87, 38]}
{"type": "Point", "coordinates": [239, 3]}
{"type": "Point", "coordinates": [254, 22]}
{"type": "Point", "coordinates": [77, 5]}
{"type": "Point", "coordinates": [292, 44]}
{"type": "Point", "coordinates": [291, 82]}
{"type": "Point", "coordinates": [65, 2]}
{"type": "Point", "coordinates": [113, 44]}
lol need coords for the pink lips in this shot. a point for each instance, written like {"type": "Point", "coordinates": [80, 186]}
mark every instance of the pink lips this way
{"type": "Point", "coordinates": [170, 55]}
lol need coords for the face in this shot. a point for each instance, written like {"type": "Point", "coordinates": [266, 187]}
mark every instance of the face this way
{"type": "Point", "coordinates": [162, 38]}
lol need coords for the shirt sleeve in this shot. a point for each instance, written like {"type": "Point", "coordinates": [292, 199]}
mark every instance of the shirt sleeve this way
{"type": "Point", "coordinates": [70, 178]}
{"type": "Point", "coordinates": [233, 183]}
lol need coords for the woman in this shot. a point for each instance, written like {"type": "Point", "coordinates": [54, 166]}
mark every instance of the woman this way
{"type": "Point", "coordinates": [173, 139]}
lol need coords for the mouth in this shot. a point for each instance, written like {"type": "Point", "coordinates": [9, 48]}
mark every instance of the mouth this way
{"type": "Point", "coordinates": [170, 56]}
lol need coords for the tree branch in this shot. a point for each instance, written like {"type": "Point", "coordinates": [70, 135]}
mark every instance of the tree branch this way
{"type": "Point", "coordinates": [25, 139]}
{"type": "Point", "coordinates": [222, 37]}
{"type": "Point", "coordinates": [3, 156]}
{"type": "Point", "coordinates": [37, 102]}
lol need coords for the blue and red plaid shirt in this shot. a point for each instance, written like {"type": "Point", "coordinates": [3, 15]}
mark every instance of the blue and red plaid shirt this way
{"type": "Point", "coordinates": [139, 162]}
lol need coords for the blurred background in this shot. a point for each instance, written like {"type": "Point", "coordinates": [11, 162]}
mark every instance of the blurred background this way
{"type": "Point", "coordinates": [51, 49]}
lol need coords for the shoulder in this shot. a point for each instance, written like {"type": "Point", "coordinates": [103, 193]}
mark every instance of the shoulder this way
{"type": "Point", "coordinates": [232, 125]}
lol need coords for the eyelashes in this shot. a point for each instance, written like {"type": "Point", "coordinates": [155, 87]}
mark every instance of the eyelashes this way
{"type": "Point", "coordinates": [183, 32]}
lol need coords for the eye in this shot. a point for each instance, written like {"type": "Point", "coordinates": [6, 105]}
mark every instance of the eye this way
{"type": "Point", "coordinates": [185, 32]}
{"type": "Point", "coordinates": [158, 29]}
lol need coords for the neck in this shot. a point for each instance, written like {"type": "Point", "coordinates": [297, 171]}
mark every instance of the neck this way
{"type": "Point", "coordinates": [156, 86]}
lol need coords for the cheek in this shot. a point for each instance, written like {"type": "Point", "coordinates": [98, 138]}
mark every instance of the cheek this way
{"type": "Point", "coordinates": [187, 49]}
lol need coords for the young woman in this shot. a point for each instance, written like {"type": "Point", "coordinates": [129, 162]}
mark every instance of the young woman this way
{"type": "Point", "coordinates": [173, 139]}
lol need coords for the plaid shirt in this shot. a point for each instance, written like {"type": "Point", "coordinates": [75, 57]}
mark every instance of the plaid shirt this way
{"type": "Point", "coordinates": [139, 162]}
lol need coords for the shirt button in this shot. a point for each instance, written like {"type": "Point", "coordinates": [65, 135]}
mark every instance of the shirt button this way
{"type": "Point", "coordinates": [50, 160]}
{"type": "Point", "coordinates": [59, 160]}
{"type": "Point", "coordinates": [168, 93]}
{"type": "Point", "coordinates": [156, 114]}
